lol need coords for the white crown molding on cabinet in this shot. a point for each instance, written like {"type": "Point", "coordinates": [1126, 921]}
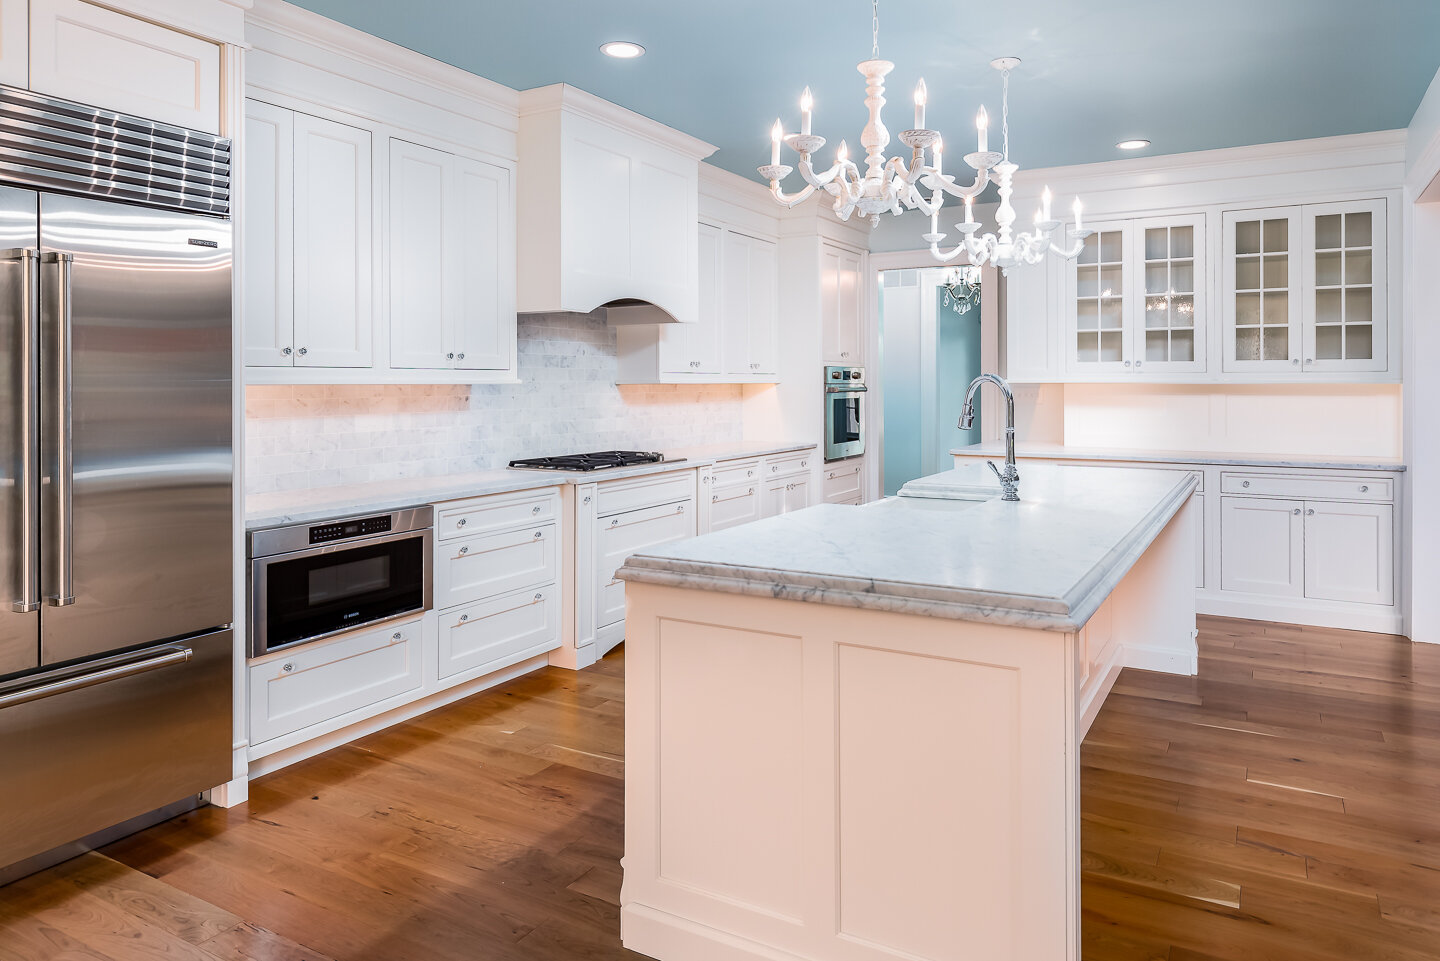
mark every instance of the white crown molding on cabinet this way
{"type": "Point", "coordinates": [729, 200]}
{"type": "Point", "coordinates": [296, 53]}
{"type": "Point", "coordinates": [569, 99]}
{"type": "Point", "coordinates": [222, 21]}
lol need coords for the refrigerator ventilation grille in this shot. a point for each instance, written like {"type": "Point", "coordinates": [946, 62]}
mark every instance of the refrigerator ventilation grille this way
{"type": "Point", "coordinates": [57, 145]}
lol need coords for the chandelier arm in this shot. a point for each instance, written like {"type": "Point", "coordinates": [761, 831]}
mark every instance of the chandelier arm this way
{"type": "Point", "coordinates": [947, 184]}
{"type": "Point", "coordinates": [943, 257]}
{"type": "Point", "coordinates": [812, 178]}
{"type": "Point", "coordinates": [789, 200]}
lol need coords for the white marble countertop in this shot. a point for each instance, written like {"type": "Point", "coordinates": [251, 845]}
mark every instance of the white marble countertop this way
{"type": "Point", "coordinates": [1209, 458]}
{"type": "Point", "coordinates": [304, 506]}
{"type": "Point", "coordinates": [1046, 562]}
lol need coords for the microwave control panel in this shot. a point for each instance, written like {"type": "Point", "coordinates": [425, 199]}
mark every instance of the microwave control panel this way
{"type": "Point", "coordinates": [321, 533]}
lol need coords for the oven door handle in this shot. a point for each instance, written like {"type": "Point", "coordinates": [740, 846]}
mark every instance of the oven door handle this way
{"type": "Point", "coordinates": [845, 390]}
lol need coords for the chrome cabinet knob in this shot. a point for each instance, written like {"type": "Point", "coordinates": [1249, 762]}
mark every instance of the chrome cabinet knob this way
{"type": "Point", "coordinates": [775, 469]}
{"type": "Point", "coordinates": [1137, 364]}
{"type": "Point", "coordinates": [539, 597]}
{"type": "Point", "coordinates": [287, 667]}
{"type": "Point", "coordinates": [1364, 488]}
{"type": "Point", "coordinates": [460, 522]}
{"type": "Point", "coordinates": [750, 491]}
{"type": "Point", "coordinates": [1297, 512]}
{"type": "Point", "coordinates": [587, 498]}
{"type": "Point", "coordinates": [1127, 363]}
{"type": "Point", "coordinates": [303, 351]}
{"type": "Point", "coordinates": [1244, 483]}
{"type": "Point", "coordinates": [804, 463]}
{"type": "Point", "coordinates": [464, 618]}
{"type": "Point", "coordinates": [715, 500]}
{"type": "Point", "coordinates": [460, 356]}
{"type": "Point", "coordinates": [464, 550]}
{"type": "Point", "coordinates": [1309, 360]}
{"type": "Point", "coordinates": [844, 353]}
{"type": "Point", "coordinates": [450, 356]}
{"type": "Point", "coordinates": [539, 534]}
{"type": "Point", "coordinates": [1310, 512]}
{"type": "Point", "coordinates": [535, 509]}
{"type": "Point", "coordinates": [287, 351]}
{"type": "Point", "coordinates": [397, 636]}
{"type": "Point", "coordinates": [749, 473]}
{"type": "Point", "coordinates": [1296, 362]}
{"type": "Point", "coordinates": [680, 509]}
{"type": "Point", "coordinates": [614, 521]}
{"type": "Point", "coordinates": [705, 479]}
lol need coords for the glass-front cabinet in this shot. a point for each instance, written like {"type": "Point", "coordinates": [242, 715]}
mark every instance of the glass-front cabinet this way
{"type": "Point", "coordinates": [1135, 299]}
{"type": "Point", "coordinates": [1304, 289]}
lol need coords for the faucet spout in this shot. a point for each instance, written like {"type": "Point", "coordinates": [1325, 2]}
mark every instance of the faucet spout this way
{"type": "Point", "coordinates": [1010, 477]}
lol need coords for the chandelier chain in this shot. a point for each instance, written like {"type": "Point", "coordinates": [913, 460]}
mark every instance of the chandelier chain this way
{"type": "Point", "coordinates": [1005, 110]}
{"type": "Point", "coordinates": [874, 29]}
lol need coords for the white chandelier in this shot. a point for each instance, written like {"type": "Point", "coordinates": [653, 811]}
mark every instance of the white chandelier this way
{"type": "Point", "coordinates": [889, 185]}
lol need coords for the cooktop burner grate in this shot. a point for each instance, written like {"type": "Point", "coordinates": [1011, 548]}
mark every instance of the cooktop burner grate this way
{"type": "Point", "coordinates": [598, 460]}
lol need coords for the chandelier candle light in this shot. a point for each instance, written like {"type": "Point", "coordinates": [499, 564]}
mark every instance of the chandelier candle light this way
{"type": "Point", "coordinates": [890, 185]}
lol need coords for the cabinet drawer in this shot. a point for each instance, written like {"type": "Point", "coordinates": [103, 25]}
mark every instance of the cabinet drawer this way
{"type": "Point", "coordinates": [733, 506]}
{"type": "Point", "coordinates": [492, 514]}
{"type": "Point", "coordinates": [481, 638]}
{"type": "Point", "coordinates": [323, 681]}
{"type": "Point", "coordinates": [1315, 486]}
{"type": "Point", "coordinates": [617, 497]}
{"type": "Point", "coordinates": [842, 484]}
{"type": "Point", "coordinates": [735, 472]}
{"type": "Point", "coordinates": [472, 568]}
{"type": "Point", "coordinates": [626, 534]}
{"type": "Point", "coordinates": [83, 52]}
{"type": "Point", "coordinates": [784, 464]}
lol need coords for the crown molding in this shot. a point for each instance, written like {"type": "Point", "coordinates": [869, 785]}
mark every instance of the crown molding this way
{"type": "Point", "coordinates": [737, 191]}
{"type": "Point", "coordinates": [564, 98]}
{"type": "Point", "coordinates": [220, 21]}
{"type": "Point", "coordinates": [405, 66]}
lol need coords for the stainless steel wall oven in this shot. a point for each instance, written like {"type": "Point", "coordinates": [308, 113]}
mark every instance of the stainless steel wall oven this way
{"type": "Point", "coordinates": [844, 412]}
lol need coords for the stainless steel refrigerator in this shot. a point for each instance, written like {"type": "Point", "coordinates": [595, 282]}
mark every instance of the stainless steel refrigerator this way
{"type": "Point", "coordinates": [115, 470]}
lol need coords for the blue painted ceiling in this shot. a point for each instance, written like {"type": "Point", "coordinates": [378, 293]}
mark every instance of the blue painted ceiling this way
{"type": "Point", "coordinates": [1184, 74]}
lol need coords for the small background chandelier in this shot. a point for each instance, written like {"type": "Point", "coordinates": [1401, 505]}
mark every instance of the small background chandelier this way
{"type": "Point", "coordinates": [962, 288]}
{"type": "Point", "coordinates": [891, 185]}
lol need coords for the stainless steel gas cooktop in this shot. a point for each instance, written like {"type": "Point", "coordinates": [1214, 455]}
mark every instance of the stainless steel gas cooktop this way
{"type": "Point", "coordinates": [598, 460]}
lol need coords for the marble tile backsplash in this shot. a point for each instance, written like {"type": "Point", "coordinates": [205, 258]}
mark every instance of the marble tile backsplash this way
{"type": "Point", "coordinates": [303, 436]}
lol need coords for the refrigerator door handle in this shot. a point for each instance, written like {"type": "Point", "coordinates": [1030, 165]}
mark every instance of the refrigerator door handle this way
{"type": "Point", "coordinates": [163, 658]}
{"type": "Point", "coordinates": [28, 480]}
{"type": "Point", "coordinates": [63, 588]}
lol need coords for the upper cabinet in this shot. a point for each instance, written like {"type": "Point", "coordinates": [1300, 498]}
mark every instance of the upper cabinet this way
{"type": "Point", "coordinates": [1135, 299]}
{"type": "Point", "coordinates": [15, 43]}
{"type": "Point", "coordinates": [1305, 289]}
{"type": "Point", "coordinates": [610, 201]}
{"type": "Point", "coordinates": [452, 303]}
{"type": "Point", "coordinates": [308, 241]}
{"type": "Point", "coordinates": [87, 53]}
{"type": "Point", "coordinates": [1256, 295]}
{"type": "Point", "coordinates": [842, 314]}
{"type": "Point", "coordinates": [735, 339]}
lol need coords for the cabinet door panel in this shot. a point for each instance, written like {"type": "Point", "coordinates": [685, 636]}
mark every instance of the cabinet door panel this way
{"type": "Point", "coordinates": [733, 506]}
{"type": "Point", "coordinates": [83, 52]}
{"type": "Point", "coordinates": [1261, 289]}
{"type": "Point", "coordinates": [15, 43]}
{"type": "Point", "coordinates": [334, 234]}
{"type": "Point", "coordinates": [420, 271]}
{"type": "Point", "coordinates": [736, 282]}
{"type": "Point", "coordinates": [470, 569]}
{"type": "Point", "coordinates": [764, 304]}
{"type": "Point", "coordinates": [1345, 300]}
{"type": "Point", "coordinates": [786, 495]}
{"type": "Point", "coordinates": [269, 235]}
{"type": "Point", "coordinates": [482, 638]}
{"type": "Point", "coordinates": [483, 256]}
{"type": "Point", "coordinates": [693, 348]}
{"type": "Point", "coordinates": [842, 301]}
{"type": "Point", "coordinates": [1170, 305]}
{"type": "Point", "coordinates": [1349, 552]}
{"type": "Point", "coordinates": [624, 534]}
{"type": "Point", "coordinates": [1262, 546]}
{"type": "Point", "coordinates": [1099, 308]}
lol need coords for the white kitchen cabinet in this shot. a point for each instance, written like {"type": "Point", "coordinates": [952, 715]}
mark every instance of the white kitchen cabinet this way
{"type": "Point", "coordinates": [735, 505]}
{"type": "Point", "coordinates": [451, 289]}
{"type": "Point", "coordinates": [484, 565]}
{"type": "Point", "coordinates": [842, 314]}
{"type": "Point", "coordinates": [269, 235]}
{"type": "Point", "coordinates": [787, 494]}
{"type": "Point", "coordinates": [482, 638]}
{"type": "Point", "coordinates": [611, 202]}
{"type": "Point", "coordinates": [15, 43]}
{"type": "Point", "coordinates": [1135, 299]}
{"type": "Point", "coordinates": [735, 340]}
{"type": "Point", "coordinates": [844, 481]}
{"type": "Point", "coordinates": [84, 52]}
{"type": "Point", "coordinates": [1305, 290]}
{"type": "Point", "coordinates": [621, 535]}
{"type": "Point", "coordinates": [1262, 546]}
{"type": "Point", "coordinates": [1349, 551]}
{"type": "Point", "coordinates": [308, 296]}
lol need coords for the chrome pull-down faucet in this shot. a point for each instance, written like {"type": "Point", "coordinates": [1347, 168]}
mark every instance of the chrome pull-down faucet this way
{"type": "Point", "coordinates": [1010, 476]}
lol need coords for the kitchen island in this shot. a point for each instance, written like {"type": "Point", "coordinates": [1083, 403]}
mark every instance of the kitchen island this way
{"type": "Point", "coordinates": [853, 732]}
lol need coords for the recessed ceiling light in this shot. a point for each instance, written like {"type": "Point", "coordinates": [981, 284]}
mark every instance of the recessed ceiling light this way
{"type": "Point", "coordinates": [622, 49]}
{"type": "Point", "coordinates": [1132, 144]}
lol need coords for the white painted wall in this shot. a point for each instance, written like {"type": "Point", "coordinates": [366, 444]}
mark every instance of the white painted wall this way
{"type": "Point", "coordinates": [1422, 384]}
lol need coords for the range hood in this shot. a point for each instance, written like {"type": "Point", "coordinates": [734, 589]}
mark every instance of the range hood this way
{"type": "Point", "coordinates": [608, 204]}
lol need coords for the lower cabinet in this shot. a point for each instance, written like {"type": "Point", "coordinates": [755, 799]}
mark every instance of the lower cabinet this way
{"type": "Point", "coordinates": [733, 506]}
{"type": "Point", "coordinates": [476, 639]}
{"type": "Point", "coordinates": [787, 494]}
{"type": "Point", "coordinates": [843, 481]}
{"type": "Point", "coordinates": [1262, 544]}
{"type": "Point", "coordinates": [621, 535]}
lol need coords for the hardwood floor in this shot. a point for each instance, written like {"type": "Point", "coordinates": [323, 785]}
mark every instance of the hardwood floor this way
{"type": "Point", "coordinates": [1284, 804]}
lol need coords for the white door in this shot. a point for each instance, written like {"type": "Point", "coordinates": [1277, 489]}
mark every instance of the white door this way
{"type": "Point", "coordinates": [483, 264]}
{"type": "Point", "coordinates": [268, 234]}
{"type": "Point", "coordinates": [421, 209]}
{"type": "Point", "coordinates": [736, 281]}
{"type": "Point", "coordinates": [696, 348]}
{"type": "Point", "coordinates": [334, 236]}
{"type": "Point", "coordinates": [841, 302]}
{"type": "Point", "coordinates": [1349, 552]}
{"type": "Point", "coordinates": [1099, 308]}
{"type": "Point", "coordinates": [1262, 281]}
{"type": "Point", "coordinates": [15, 43]}
{"type": "Point", "coordinates": [1345, 317]}
{"type": "Point", "coordinates": [1169, 303]}
{"type": "Point", "coordinates": [764, 308]}
{"type": "Point", "coordinates": [1262, 546]}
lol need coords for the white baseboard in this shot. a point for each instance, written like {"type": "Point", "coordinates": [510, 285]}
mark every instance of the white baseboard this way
{"type": "Point", "coordinates": [1164, 659]}
{"type": "Point", "coordinates": [663, 935]}
{"type": "Point", "coordinates": [1350, 617]}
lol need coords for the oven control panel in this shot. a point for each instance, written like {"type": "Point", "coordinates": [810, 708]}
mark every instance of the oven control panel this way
{"type": "Point", "coordinates": [361, 527]}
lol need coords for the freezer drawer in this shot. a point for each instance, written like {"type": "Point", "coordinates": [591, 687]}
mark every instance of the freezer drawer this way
{"type": "Point", "coordinates": [80, 754]}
